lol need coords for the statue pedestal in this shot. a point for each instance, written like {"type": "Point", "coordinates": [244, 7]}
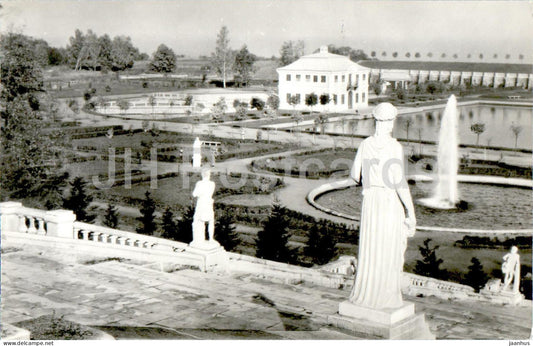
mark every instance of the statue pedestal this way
{"type": "Point", "coordinates": [214, 255]}
{"type": "Point", "coordinates": [400, 323]}
{"type": "Point", "coordinates": [503, 296]}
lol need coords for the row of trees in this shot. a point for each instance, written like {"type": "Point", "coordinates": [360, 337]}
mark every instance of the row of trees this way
{"type": "Point", "coordinates": [418, 55]}
{"type": "Point", "coordinates": [89, 51]}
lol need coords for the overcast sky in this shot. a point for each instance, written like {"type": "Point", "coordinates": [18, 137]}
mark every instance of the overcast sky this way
{"type": "Point", "coordinates": [190, 26]}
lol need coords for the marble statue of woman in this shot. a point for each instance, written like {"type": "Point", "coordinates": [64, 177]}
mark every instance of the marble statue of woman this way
{"type": "Point", "coordinates": [387, 215]}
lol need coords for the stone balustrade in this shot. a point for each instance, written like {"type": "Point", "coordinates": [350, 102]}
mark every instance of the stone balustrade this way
{"type": "Point", "coordinates": [413, 284]}
{"type": "Point", "coordinates": [54, 225]}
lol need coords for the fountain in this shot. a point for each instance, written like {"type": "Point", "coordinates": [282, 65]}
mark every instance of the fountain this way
{"type": "Point", "coordinates": [445, 195]}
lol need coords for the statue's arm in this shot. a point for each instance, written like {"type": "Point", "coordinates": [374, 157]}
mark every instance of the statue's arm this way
{"type": "Point", "coordinates": [403, 192]}
{"type": "Point", "coordinates": [355, 172]}
{"type": "Point", "coordinates": [196, 191]}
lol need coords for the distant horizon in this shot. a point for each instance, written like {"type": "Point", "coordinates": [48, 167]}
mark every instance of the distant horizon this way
{"type": "Point", "coordinates": [190, 27]}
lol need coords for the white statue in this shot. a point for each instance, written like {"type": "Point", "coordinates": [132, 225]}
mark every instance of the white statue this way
{"type": "Point", "coordinates": [511, 270]}
{"type": "Point", "coordinates": [204, 212]}
{"type": "Point", "coordinates": [384, 227]}
{"type": "Point", "coordinates": [197, 153]}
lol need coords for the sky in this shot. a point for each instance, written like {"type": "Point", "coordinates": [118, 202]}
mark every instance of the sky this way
{"type": "Point", "coordinates": [190, 26]}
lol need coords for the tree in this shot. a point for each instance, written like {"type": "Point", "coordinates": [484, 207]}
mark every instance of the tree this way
{"type": "Point", "coordinates": [21, 74]}
{"type": "Point", "coordinates": [184, 228]}
{"type": "Point", "coordinates": [291, 51]}
{"type": "Point", "coordinates": [273, 101]}
{"type": "Point", "coordinates": [407, 124]}
{"type": "Point", "coordinates": [272, 240]}
{"type": "Point", "coordinates": [430, 55]}
{"type": "Point", "coordinates": [106, 47]}
{"type": "Point", "coordinates": [257, 103]}
{"type": "Point", "coordinates": [417, 55]}
{"type": "Point", "coordinates": [395, 54]}
{"type": "Point", "coordinates": [147, 218]}
{"type": "Point", "coordinates": [373, 54]}
{"type": "Point", "coordinates": [30, 163]}
{"type": "Point", "coordinates": [124, 105]}
{"type": "Point", "coordinates": [152, 103]}
{"type": "Point", "coordinates": [294, 100]}
{"type": "Point", "coordinates": [75, 49]}
{"type": "Point", "coordinates": [164, 60]}
{"type": "Point", "coordinates": [244, 64]}
{"type": "Point", "coordinates": [407, 55]}
{"type": "Point", "coordinates": [222, 58]}
{"type": "Point", "coordinates": [324, 99]}
{"type": "Point", "coordinates": [480, 56]}
{"type": "Point", "coordinates": [169, 226]}
{"type": "Point", "coordinates": [320, 243]}
{"type": "Point", "coordinates": [320, 122]}
{"type": "Point", "coordinates": [311, 100]}
{"type": "Point", "coordinates": [219, 108]}
{"type": "Point", "coordinates": [476, 277]}
{"type": "Point", "coordinates": [429, 265]}
{"type": "Point", "coordinates": [111, 217]}
{"type": "Point", "coordinates": [478, 129]}
{"type": "Point", "coordinates": [225, 232]}
{"type": "Point", "coordinates": [354, 54]}
{"type": "Point", "coordinates": [56, 56]}
{"type": "Point", "coordinates": [123, 53]}
{"type": "Point", "coordinates": [78, 200]}
{"type": "Point", "coordinates": [516, 129]}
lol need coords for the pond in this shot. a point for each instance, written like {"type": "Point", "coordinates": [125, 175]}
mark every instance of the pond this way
{"type": "Point", "coordinates": [425, 125]}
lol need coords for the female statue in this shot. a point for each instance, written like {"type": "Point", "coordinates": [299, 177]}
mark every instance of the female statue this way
{"type": "Point", "coordinates": [384, 227]}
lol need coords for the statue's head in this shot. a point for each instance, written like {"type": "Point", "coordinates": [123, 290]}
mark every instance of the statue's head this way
{"type": "Point", "coordinates": [514, 249]}
{"type": "Point", "coordinates": [384, 113]}
{"type": "Point", "coordinates": [206, 173]}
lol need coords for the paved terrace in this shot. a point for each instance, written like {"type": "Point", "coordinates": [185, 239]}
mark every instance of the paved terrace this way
{"type": "Point", "coordinates": [190, 304]}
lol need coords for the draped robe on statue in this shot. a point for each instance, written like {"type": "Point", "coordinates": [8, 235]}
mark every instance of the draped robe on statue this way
{"type": "Point", "coordinates": [379, 166]}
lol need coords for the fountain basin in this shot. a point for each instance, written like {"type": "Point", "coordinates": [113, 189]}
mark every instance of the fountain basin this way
{"type": "Point", "coordinates": [496, 204]}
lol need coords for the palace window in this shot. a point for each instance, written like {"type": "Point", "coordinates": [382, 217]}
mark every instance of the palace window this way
{"type": "Point", "coordinates": [335, 98]}
{"type": "Point", "coordinates": [343, 78]}
{"type": "Point", "coordinates": [363, 97]}
{"type": "Point", "coordinates": [323, 79]}
{"type": "Point", "coordinates": [356, 98]}
{"type": "Point", "coordinates": [289, 98]}
{"type": "Point", "coordinates": [342, 99]}
{"type": "Point", "coordinates": [298, 77]}
{"type": "Point", "coordinates": [364, 76]}
{"type": "Point", "coordinates": [288, 78]}
{"type": "Point", "coordinates": [315, 79]}
{"type": "Point", "coordinates": [336, 79]}
{"type": "Point", "coordinates": [307, 78]}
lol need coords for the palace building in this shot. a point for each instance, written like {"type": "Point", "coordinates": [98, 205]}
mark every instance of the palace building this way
{"type": "Point", "coordinates": [323, 73]}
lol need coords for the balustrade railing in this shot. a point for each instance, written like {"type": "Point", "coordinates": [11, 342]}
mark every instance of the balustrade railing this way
{"type": "Point", "coordinates": [61, 223]}
{"type": "Point", "coordinates": [418, 282]}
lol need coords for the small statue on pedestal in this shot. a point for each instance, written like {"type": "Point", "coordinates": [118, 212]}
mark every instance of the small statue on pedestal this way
{"type": "Point", "coordinates": [511, 270]}
{"type": "Point", "coordinates": [197, 153]}
{"type": "Point", "coordinates": [204, 212]}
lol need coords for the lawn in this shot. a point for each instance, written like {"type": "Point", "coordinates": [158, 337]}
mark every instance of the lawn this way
{"type": "Point", "coordinates": [176, 192]}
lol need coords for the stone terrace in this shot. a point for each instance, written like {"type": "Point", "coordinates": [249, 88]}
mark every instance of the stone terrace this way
{"type": "Point", "coordinates": [193, 305]}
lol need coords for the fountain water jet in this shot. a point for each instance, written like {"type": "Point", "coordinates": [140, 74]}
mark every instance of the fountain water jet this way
{"type": "Point", "coordinates": [445, 194]}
